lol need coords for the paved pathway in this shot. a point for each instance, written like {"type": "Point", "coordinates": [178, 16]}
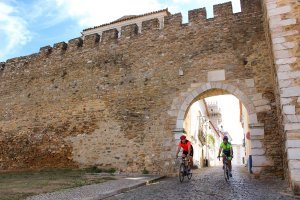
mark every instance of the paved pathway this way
{"type": "Point", "coordinates": [209, 184]}
{"type": "Point", "coordinates": [98, 191]}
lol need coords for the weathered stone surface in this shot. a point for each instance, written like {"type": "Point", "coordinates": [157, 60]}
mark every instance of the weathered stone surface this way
{"type": "Point", "coordinates": [261, 102]}
{"type": "Point", "coordinates": [287, 45]}
{"type": "Point", "coordinates": [218, 75]}
{"type": "Point", "coordinates": [257, 170]}
{"type": "Point", "coordinates": [279, 10]}
{"type": "Point", "coordinates": [258, 152]}
{"type": "Point", "coordinates": [257, 131]}
{"type": "Point", "coordinates": [288, 75]}
{"type": "Point", "coordinates": [257, 96]}
{"type": "Point", "coordinates": [295, 175]}
{"type": "Point", "coordinates": [286, 101]}
{"type": "Point", "coordinates": [289, 109]}
{"type": "Point", "coordinates": [292, 126]}
{"type": "Point", "coordinates": [294, 164]}
{"type": "Point", "coordinates": [293, 153]}
{"type": "Point", "coordinates": [293, 144]}
{"type": "Point", "coordinates": [281, 23]}
{"type": "Point", "coordinates": [253, 118]}
{"type": "Point", "coordinates": [293, 135]}
{"type": "Point", "coordinates": [250, 82]}
{"type": "Point", "coordinates": [292, 118]}
{"type": "Point", "coordinates": [261, 161]}
{"type": "Point", "coordinates": [290, 91]}
{"type": "Point", "coordinates": [256, 144]}
{"type": "Point", "coordinates": [263, 108]}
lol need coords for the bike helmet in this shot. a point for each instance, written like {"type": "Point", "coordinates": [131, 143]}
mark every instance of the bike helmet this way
{"type": "Point", "coordinates": [182, 137]}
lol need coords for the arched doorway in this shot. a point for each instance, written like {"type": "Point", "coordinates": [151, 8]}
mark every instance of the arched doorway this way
{"type": "Point", "coordinates": [259, 159]}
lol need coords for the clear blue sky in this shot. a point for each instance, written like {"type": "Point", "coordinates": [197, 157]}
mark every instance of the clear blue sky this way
{"type": "Point", "coordinates": [27, 25]}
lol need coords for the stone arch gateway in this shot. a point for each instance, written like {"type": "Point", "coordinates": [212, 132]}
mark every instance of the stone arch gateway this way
{"type": "Point", "coordinates": [260, 161]}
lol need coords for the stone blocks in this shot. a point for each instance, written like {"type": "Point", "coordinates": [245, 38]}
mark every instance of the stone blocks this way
{"type": "Point", "coordinates": [293, 153]}
{"type": "Point", "coordinates": [261, 161]}
{"type": "Point", "coordinates": [292, 144]}
{"type": "Point", "coordinates": [256, 144]}
{"type": "Point", "coordinates": [129, 31]}
{"type": "Point", "coordinates": [197, 15]}
{"type": "Point", "coordinates": [289, 109]}
{"type": "Point", "coordinates": [258, 152]}
{"type": "Point", "coordinates": [257, 133]}
{"type": "Point", "coordinates": [294, 164]}
{"type": "Point", "coordinates": [279, 10]}
{"type": "Point", "coordinates": [90, 41]}
{"type": "Point", "coordinates": [217, 75]}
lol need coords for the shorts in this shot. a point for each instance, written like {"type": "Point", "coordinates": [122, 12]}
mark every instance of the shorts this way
{"type": "Point", "coordinates": [186, 153]}
{"type": "Point", "coordinates": [227, 154]}
{"type": "Point", "coordinates": [228, 157]}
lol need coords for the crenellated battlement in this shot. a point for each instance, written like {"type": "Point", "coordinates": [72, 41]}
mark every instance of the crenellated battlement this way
{"type": "Point", "coordinates": [149, 25]}
{"type": "Point", "coordinates": [2, 66]}
{"type": "Point", "coordinates": [91, 40]}
{"type": "Point", "coordinates": [75, 43]}
{"type": "Point", "coordinates": [173, 20]}
{"type": "Point", "coordinates": [59, 48]}
{"type": "Point", "coordinates": [129, 31]}
{"type": "Point", "coordinates": [196, 17]}
{"type": "Point", "coordinates": [250, 5]}
{"type": "Point", "coordinates": [110, 35]}
{"type": "Point", "coordinates": [223, 10]}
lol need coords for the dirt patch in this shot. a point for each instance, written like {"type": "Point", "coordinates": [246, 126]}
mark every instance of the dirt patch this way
{"type": "Point", "coordinates": [19, 185]}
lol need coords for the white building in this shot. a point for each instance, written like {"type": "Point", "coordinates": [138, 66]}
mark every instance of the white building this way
{"type": "Point", "coordinates": [203, 134]}
{"type": "Point", "coordinates": [128, 20]}
{"type": "Point", "coordinates": [239, 154]}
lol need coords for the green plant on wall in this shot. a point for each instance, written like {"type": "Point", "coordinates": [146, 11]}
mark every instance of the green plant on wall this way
{"type": "Point", "coordinates": [211, 140]}
{"type": "Point", "coordinates": [201, 136]}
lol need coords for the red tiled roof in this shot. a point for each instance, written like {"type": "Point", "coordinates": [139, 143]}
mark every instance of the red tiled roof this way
{"type": "Point", "coordinates": [125, 18]}
{"type": "Point", "coordinates": [128, 17]}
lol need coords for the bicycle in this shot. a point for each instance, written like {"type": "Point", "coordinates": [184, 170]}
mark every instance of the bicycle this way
{"type": "Point", "coordinates": [225, 167]}
{"type": "Point", "coordinates": [184, 169]}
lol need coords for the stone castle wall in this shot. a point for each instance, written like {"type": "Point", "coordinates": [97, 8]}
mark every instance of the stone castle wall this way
{"type": "Point", "coordinates": [114, 102]}
{"type": "Point", "coordinates": [283, 27]}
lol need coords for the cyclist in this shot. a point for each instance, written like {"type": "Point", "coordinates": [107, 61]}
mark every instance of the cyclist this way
{"type": "Point", "coordinates": [187, 150]}
{"type": "Point", "coordinates": [227, 151]}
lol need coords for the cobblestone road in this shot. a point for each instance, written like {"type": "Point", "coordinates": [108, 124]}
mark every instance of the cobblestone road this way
{"type": "Point", "coordinates": [209, 184]}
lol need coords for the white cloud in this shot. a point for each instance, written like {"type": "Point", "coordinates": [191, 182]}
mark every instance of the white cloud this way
{"type": "Point", "coordinates": [49, 15]}
{"type": "Point", "coordinates": [91, 13]}
{"type": "Point", "coordinates": [181, 1]}
{"type": "Point", "coordinates": [13, 29]}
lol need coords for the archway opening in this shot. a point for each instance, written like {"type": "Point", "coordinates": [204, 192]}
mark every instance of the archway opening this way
{"type": "Point", "coordinates": [209, 117]}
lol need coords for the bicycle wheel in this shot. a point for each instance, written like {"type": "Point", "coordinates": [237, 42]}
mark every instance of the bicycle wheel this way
{"type": "Point", "coordinates": [226, 175]}
{"type": "Point", "coordinates": [181, 172]}
{"type": "Point", "coordinates": [189, 175]}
